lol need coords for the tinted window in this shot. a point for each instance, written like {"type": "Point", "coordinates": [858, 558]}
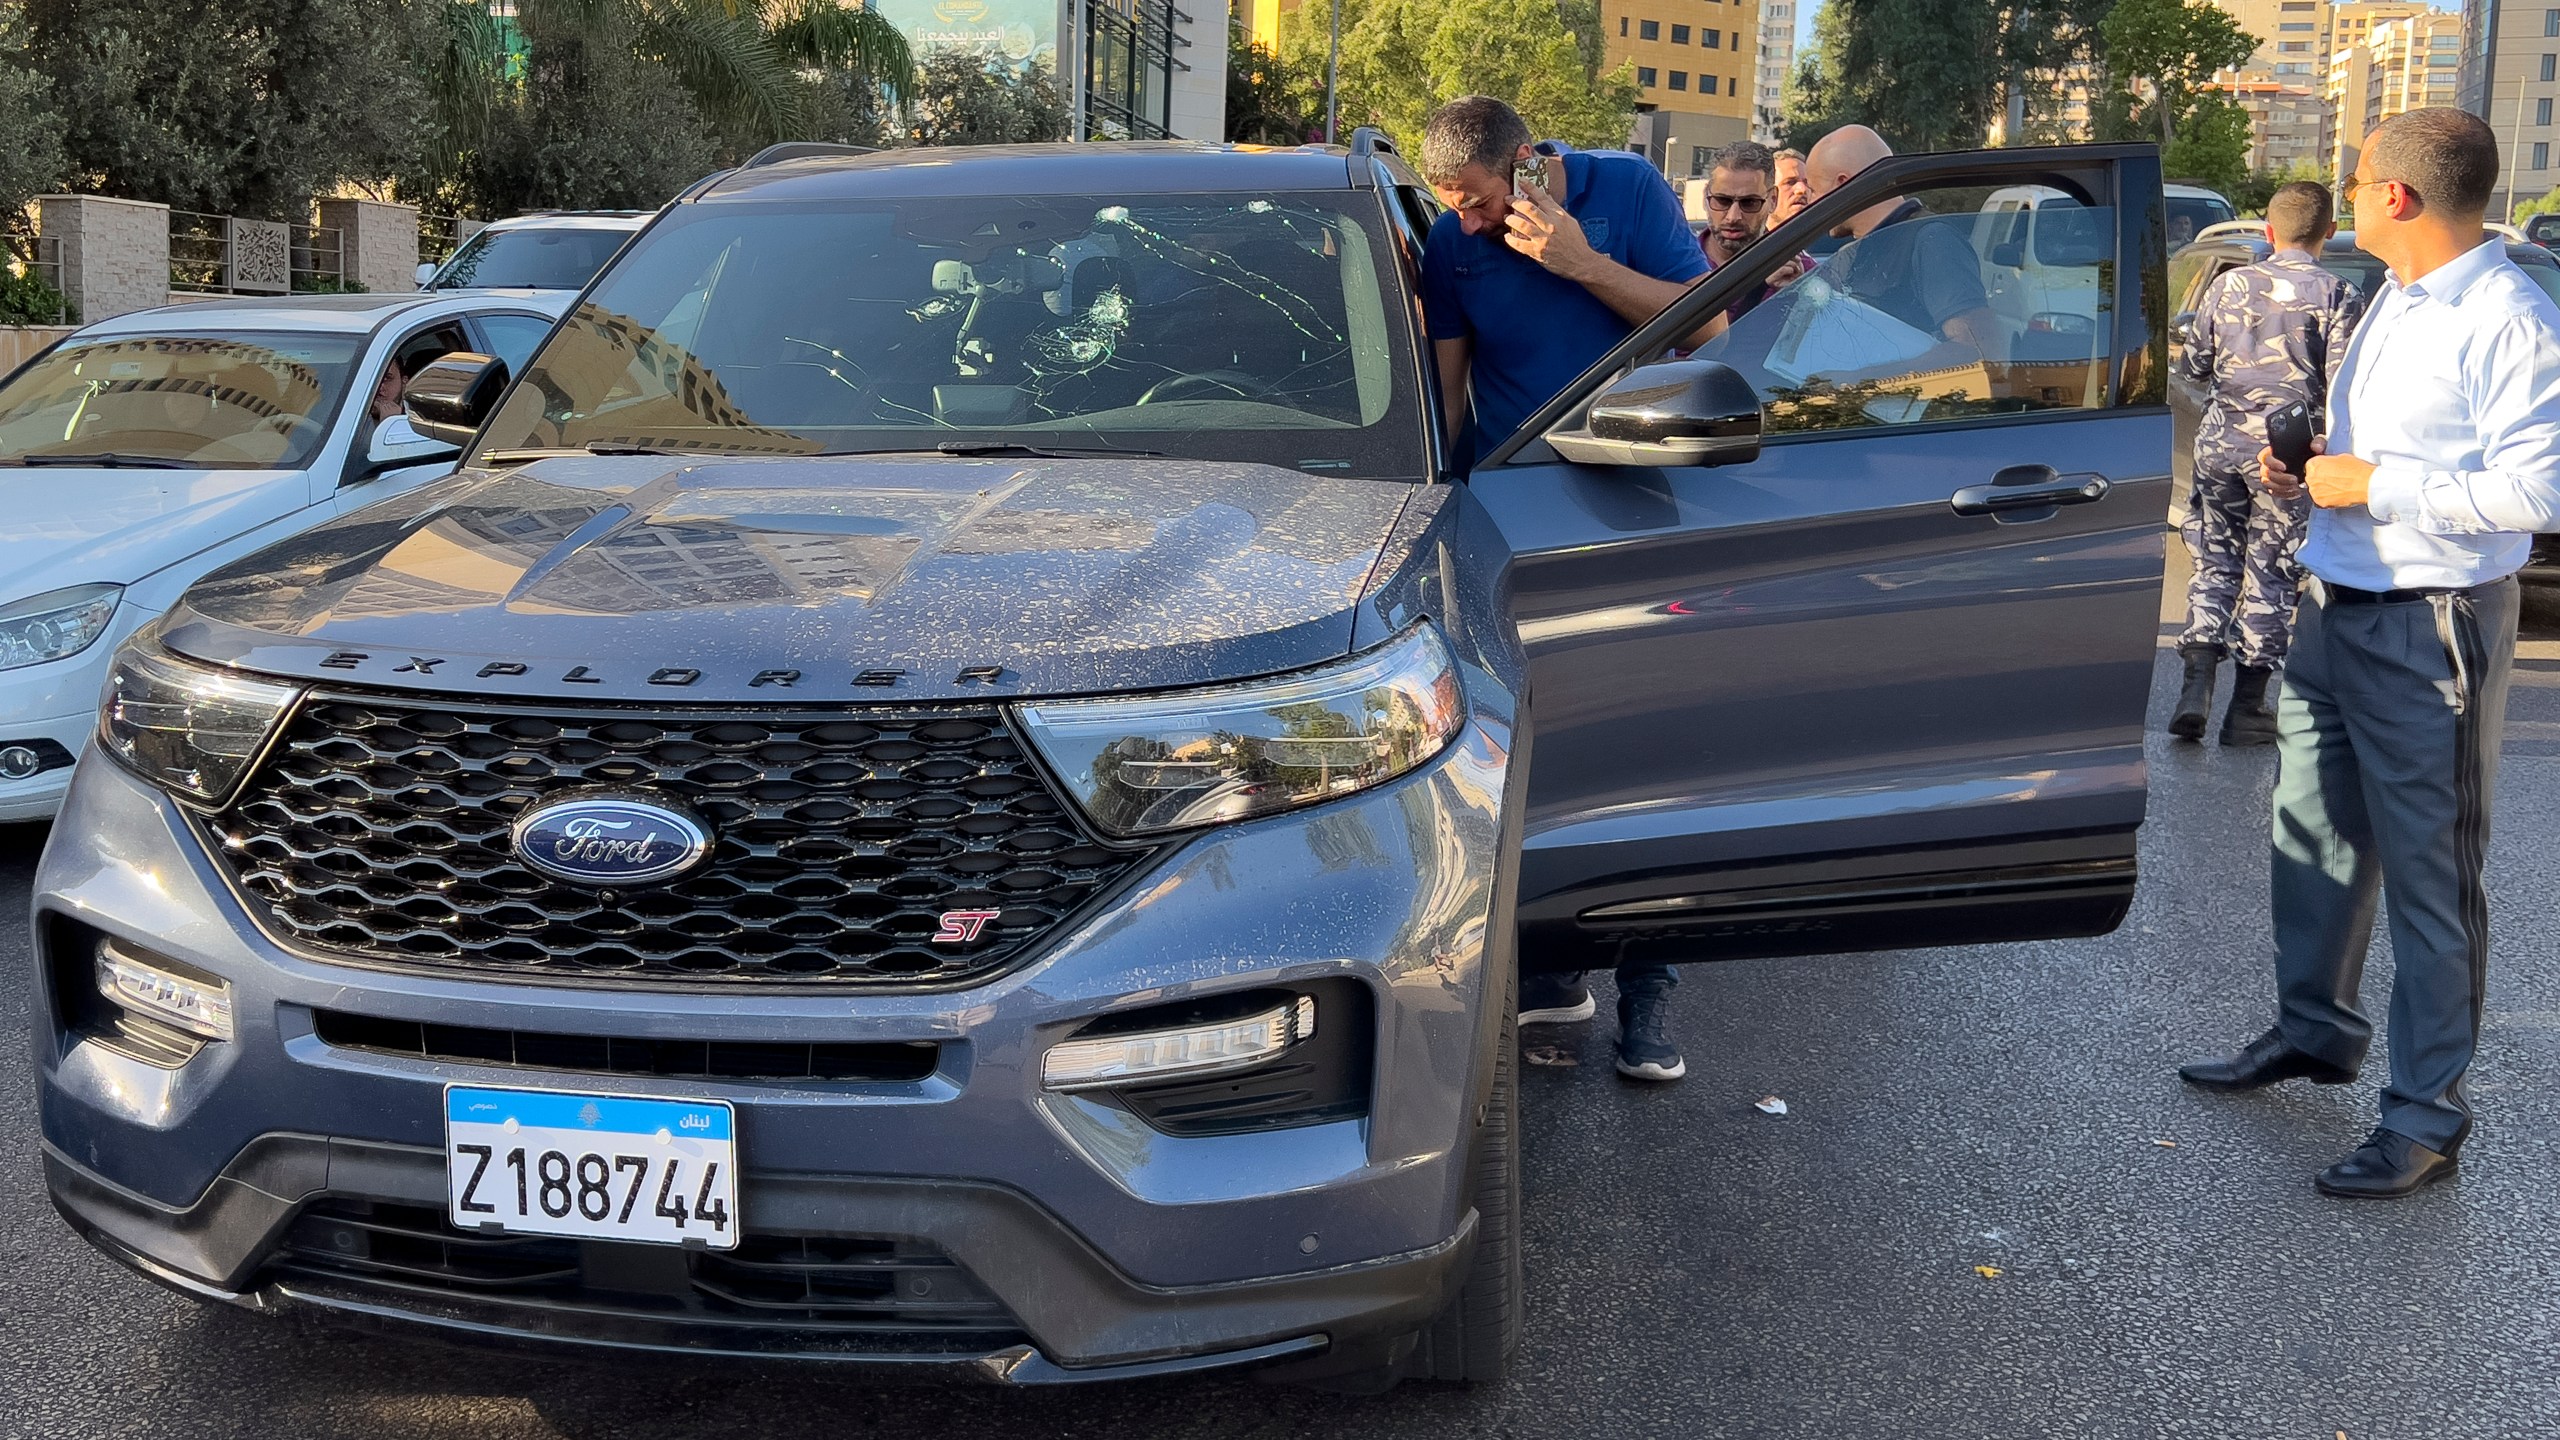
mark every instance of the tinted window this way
{"type": "Point", "coordinates": [1910, 323]}
{"type": "Point", "coordinates": [512, 338]}
{"type": "Point", "coordinates": [2189, 214]}
{"type": "Point", "coordinates": [1210, 326]}
{"type": "Point", "coordinates": [247, 402]}
{"type": "Point", "coordinates": [536, 259]}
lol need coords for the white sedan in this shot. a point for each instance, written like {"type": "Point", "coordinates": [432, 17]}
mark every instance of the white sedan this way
{"type": "Point", "coordinates": [146, 450]}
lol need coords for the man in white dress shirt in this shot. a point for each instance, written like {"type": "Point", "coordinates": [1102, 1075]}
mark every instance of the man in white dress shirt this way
{"type": "Point", "coordinates": [2443, 455]}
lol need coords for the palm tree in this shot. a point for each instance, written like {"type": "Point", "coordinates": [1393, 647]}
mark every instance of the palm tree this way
{"type": "Point", "coordinates": [755, 71]}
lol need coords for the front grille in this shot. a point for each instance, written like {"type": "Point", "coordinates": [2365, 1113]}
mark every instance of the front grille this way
{"type": "Point", "coordinates": [859, 1284]}
{"type": "Point", "coordinates": [624, 1055]}
{"type": "Point", "coordinates": [378, 829]}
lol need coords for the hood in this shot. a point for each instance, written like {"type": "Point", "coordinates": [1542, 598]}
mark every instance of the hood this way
{"type": "Point", "coordinates": [857, 579]}
{"type": "Point", "coordinates": [80, 526]}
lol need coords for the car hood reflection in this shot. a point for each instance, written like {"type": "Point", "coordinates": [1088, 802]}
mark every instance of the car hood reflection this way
{"type": "Point", "coordinates": [1064, 575]}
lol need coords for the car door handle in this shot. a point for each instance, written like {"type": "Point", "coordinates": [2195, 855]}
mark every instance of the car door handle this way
{"type": "Point", "coordinates": [2028, 487]}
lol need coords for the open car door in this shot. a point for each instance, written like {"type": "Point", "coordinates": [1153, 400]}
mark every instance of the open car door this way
{"type": "Point", "coordinates": [1841, 631]}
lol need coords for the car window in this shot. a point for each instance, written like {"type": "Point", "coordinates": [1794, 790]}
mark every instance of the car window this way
{"type": "Point", "coordinates": [2190, 214]}
{"type": "Point", "coordinates": [538, 258]}
{"type": "Point", "coordinates": [1221, 327]}
{"type": "Point", "coordinates": [513, 338]}
{"type": "Point", "coordinates": [212, 401]}
{"type": "Point", "coordinates": [1911, 323]}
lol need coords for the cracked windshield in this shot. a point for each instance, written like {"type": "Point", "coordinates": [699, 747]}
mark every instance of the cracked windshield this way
{"type": "Point", "coordinates": [1247, 328]}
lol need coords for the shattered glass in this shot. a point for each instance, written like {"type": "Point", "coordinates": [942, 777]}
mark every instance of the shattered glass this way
{"type": "Point", "coordinates": [1204, 326]}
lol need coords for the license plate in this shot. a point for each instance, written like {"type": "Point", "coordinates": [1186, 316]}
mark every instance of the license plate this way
{"type": "Point", "coordinates": [598, 1167]}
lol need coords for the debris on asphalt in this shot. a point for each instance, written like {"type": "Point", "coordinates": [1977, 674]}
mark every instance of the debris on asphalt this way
{"type": "Point", "coordinates": [1988, 1272]}
{"type": "Point", "coordinates": [2166, 1144]}
{"type": "Point", "coordinates": [1554, 1055]}
{"type": "Point", "coordinates": [1770, 1105]}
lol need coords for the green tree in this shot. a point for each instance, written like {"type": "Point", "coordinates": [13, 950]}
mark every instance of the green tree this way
{"type": "Point", "coordinates": [1270, 102]}
{"type": "Point", "coordinates": [621, 102]}
{"type": "Point", "coordinates": [2548, 203]}
{"type": "Point", "coordinates": [2160, 55]}
{"type": "Point", "coordinates": [32, 162]}
{"type": "Point", "coordinates": [243, 107]}
{"type": "Point", "coordinates": [1400, 58]}
{"type": "Point", "coordinates": [2212, 145]}
{"type": "Point", "coordinates": [1926, 74]}
{"type": "Point", "coordinates": [963, 97]}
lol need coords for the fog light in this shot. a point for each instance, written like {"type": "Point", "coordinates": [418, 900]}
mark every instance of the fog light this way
{"type": "Point", "coordinates": [201, 1006]}
{"type": "Point", "coordinates": [1190, 1051]}
{"type": "Point", "coordinates": [17, 762]}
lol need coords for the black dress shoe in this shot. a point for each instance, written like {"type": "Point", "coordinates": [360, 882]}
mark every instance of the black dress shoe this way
{"type": "Point", "coordinates": [2386, 1166]}
{"type": "Point", "coordinates": [2263, 1061]}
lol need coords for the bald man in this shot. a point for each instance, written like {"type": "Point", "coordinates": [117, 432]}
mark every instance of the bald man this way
{"type": "Point", "coordinates": [1924, 274]}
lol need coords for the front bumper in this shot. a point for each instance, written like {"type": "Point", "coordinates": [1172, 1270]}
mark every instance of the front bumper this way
{"type": "Point", "coordinates": [1113, 1248]}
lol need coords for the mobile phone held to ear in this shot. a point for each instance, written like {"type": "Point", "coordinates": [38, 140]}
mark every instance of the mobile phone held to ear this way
{"type": "Point", "coordinates": [2289, 435]}
{"type": "Point", "coordinates": [1529, 172]}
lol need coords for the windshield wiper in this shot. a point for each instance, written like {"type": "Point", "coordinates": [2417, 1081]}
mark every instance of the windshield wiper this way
{"type": "Point", "coordinates": [596, 447]}
{"type": "Point", "coordinates": [104, 460]}
{"type": "Point", "coordinates": [1040, 452]}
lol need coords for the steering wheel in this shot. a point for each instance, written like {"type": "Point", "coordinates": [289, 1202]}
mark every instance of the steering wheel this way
{"type": "Point", "coordinates": [1233, 380]}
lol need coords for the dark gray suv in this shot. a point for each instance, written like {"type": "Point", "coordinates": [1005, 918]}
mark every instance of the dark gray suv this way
{"type": "Point", "coordinates": [956, 783]}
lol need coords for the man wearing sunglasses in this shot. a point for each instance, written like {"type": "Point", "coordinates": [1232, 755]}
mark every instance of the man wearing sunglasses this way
{"type": "Point", "coordinates": [1742, 194]}
{"type": "Point", "coordinates": [2443, 455]}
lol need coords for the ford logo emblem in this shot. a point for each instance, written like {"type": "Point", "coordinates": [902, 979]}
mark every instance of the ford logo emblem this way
{"type": "Point", "coordinates": [610, 841]}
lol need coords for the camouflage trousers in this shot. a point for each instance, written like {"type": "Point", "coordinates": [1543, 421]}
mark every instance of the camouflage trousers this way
{"type": "Point", "coordinates": [2242, 540]}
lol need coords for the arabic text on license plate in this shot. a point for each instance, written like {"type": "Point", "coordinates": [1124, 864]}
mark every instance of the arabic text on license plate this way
{"type": "Point", "coordinates": [599, 1167]}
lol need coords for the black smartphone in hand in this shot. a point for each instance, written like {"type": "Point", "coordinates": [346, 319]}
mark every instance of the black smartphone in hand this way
{"type": "Point", "coordinates": [2289, 435]}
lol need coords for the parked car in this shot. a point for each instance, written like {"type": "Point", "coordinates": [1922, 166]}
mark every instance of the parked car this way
{"type": "Point", "coordinates": [958, 783]}
{"type": "Point", "coordinates": [153, 447]}
{"type": "Point", "coordinates": [2543, 230]}
{"type": "Point", "coordinates": [2036, 245]}
{"type": "Point", "coordinates": [552, 250]}
{"type": "Point", "coordinates": [2198, 266]}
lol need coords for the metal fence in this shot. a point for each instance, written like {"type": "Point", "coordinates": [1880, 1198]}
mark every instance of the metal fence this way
{"type": "Point", "coordinates": [440, 235]}
{"type": "Point", "coordinates": [228, 255]}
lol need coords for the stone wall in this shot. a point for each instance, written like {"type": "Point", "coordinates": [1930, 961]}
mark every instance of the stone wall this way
{"type": "Point", "coordinates": [379, 242]}
{"type": "Point", "coordinates": [115, 253]}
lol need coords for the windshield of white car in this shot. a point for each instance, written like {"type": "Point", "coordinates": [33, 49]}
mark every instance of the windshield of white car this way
{"type": "Point", "coordinates": [1209, 327]}
{"type": "Point", "coordinates": [540, 257]}
{"type": "Point", "coordinates": [207, 402]}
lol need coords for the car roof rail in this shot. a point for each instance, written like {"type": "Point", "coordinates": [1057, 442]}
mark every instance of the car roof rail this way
{"type": "Point", "coordinates": [1370, 140]}
{"type": "Point", "coordinates": [801, 150]}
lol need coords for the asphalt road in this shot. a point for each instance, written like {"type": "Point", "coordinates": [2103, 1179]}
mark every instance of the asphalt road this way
{"type": "Point", "coordinates": [1699, 1268]}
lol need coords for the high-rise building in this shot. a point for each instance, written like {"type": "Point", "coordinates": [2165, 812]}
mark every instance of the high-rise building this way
{"type": "Point", "coordinates": [1777, 51]}
{"type": "Point", "coordinates": [2287, 123]}
{"type": "Point", "coordinates": [2406, 62]}
{"type": "Point", "coordinates": [2293, 39]}
{"type": "Point", "coordinates": [2509, 79]}
{"type": "Point", "coordinates": [1697, 63]}
{"type": "Point", "coordinates": [2348, 75]}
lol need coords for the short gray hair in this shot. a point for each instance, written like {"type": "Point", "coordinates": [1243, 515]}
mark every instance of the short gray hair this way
{"type": "Point", "coordinates": [1790, 153]}
{"type": "Point", "coordinates": [2450, 157]}
{"type": "Point", "coordinates": [1472, 130]}
{"type": "Point", "coordinates": [1745, 155]}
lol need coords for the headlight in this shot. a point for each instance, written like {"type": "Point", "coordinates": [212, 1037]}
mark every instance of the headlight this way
{"type": "Point", "coordinates": [184, 727]}
{"type": "Point", "coordinates": [1197, 757]}
{"type": "Point", "coordinates": [56, 624]}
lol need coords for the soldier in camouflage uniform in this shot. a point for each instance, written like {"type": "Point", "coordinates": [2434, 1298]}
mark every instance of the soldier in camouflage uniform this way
{"type": "Point", "coordinates": [2264, 336]}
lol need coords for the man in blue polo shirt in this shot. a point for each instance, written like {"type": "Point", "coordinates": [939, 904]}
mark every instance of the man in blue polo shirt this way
{"type": "Point", "coordinates": [1521, 294]}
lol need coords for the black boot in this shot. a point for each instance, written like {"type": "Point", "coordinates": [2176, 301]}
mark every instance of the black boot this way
{"type": "Point", "coordinates": [2195, 700]}
{"type": "Point", "coordinates": [2251, 720]}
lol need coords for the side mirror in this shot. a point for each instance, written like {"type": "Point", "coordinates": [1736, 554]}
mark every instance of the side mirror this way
{"type": "Point", "coordinates": [1679, 412]}
{"type": "Point", "coordinates": [447, 400]}
{"type": "Point", "coordinates": [426, 272]}
{"type": "Point", "coordinates": [397, 446]}
{"type": "Point", "coordinates": [2010, 254]}
{"type": "Point", "coordinates": [2182, 327]}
